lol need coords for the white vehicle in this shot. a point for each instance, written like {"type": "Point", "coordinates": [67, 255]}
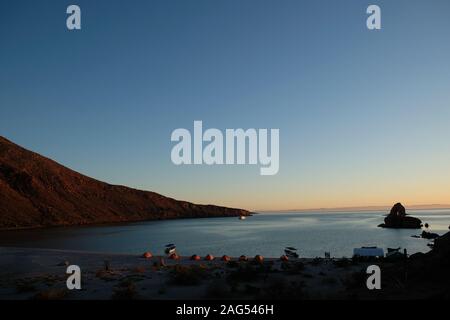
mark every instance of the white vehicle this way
{"type": "Point", "coordinates": [368, 252]}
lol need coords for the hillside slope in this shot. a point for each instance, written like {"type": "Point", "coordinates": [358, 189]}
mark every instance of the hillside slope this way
{"type": "Point", "coordinates": [38, 192]}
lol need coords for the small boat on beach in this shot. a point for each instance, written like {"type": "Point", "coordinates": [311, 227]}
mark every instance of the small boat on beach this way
{"type": "Point", "coordinates": [291, 252]}
{"type": "Point", "coordinates": [170, 249]}
{"type": "Point", "coordinates": [391, 250]}
{"type": "Point", "coordinates": [394, 254]}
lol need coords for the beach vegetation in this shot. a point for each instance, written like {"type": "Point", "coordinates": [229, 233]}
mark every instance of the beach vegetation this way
{"type": "Point", "coordinates": [245, 273]}
{"type": "Point", "coordinates": [51, 294]}
{"type": "Point", "coordinates": [343, 263]}
{"type": "Point", "coordinates": [125, 291]}
{"type": "Point", "coordinates": [356, 280]}
{"type": "Point", "coordinates": [316, 261]}
{"type": "Point", "coordinates": [187, 275]}
{"type": "Point", "coordinates": [329, 281]}
{"type": "Point", "coordinates": [280, 289]}
{"type": "Point", "coordinates": [162, 290]}
{"type": "Point", "coordinates": [139, 269]}
{"type": "Point", "coordinates": [293, 267]}
{"type": "Point", "coordinates": [106, 275]}
{"type": "Point", "coordinates": [219, 289]}
{"type": "Point", "coordinates": [26, 285]}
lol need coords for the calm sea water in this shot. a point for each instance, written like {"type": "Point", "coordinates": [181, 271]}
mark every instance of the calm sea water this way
{"type": "Point", "coordinates": [265, 233]}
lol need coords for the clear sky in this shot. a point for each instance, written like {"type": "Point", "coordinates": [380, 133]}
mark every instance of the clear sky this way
{"type": "Point", "coordinates": [363, 115]}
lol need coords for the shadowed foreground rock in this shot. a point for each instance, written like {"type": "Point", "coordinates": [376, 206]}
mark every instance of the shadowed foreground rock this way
{"type": "Point", "coordinates": [421, 276]}
{"type": "Point", "coordinates": [398, 218]}
{"type": "Point", "coordinates": [427, 274]}
{"type": "Point", "coordinates": [38, 192]}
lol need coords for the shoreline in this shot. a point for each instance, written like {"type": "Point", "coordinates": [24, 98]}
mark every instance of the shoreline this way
{"type": "Point", "coordinates": [27, 273]}
{"type": "Point", "coordinates": [116, 223]}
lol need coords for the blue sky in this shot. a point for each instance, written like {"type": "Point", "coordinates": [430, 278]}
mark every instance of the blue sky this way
{"type": "Point", "coordinates": [363, 115]}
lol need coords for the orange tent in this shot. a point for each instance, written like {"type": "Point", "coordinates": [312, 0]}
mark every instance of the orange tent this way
{"type": "Point", "coordinates": [209, 257]}
{"type": "Point", "coordinates": [226, 258]}
{"type": "Point", "coordinates": [147, 255]}
{"type": "Point", "coordinates": [174, 256]}
{"type": "Point", "coordinates": [195, 257]}
{"type": "Point", "coordinates": [258, 258]}
{"type": "Point", "coordinates": [284, 258]}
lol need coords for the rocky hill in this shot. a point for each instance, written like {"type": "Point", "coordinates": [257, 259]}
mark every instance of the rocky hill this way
{"type": "Point", "coordinates": [38, 192]}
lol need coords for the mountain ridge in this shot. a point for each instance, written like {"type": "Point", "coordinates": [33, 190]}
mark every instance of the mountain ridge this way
{"type": "Point", "coordinates": [36, 191]}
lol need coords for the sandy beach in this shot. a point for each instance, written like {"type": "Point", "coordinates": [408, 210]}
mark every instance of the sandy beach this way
{"type": "Point", "coordinates": [41, 274]}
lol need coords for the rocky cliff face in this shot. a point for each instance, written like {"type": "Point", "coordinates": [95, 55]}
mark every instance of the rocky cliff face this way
{"type": "Point", "coordinates": [38, 192]}
{"type": "Point", "coordinates": [397, 218]}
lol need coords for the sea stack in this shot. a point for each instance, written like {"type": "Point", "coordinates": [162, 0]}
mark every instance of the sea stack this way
{"type": "Point", "coordinates": [398, 218]}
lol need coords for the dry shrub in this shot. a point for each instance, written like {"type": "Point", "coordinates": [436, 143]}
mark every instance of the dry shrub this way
{"type": "Point", "coordinates": [125, 292]}
{"type": "Point", "coordinates": [51, 294]}
{"type": "Point", "coordinates": [25, 285]}
{"type": "Point", "coordinates": [187, 275]}
{"type": "Point", "coordinates": [139, 269]}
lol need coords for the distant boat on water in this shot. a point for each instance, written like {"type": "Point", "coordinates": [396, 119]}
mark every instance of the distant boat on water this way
{"type": "Point", "coordinates": [242, 217]}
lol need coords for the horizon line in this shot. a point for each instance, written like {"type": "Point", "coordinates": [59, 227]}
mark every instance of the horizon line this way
{"type": "Point", "coordinates": [359, 208]}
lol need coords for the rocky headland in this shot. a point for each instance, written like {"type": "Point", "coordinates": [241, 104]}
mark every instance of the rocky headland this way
{"type": "Point", "coordinates": [38, 192]}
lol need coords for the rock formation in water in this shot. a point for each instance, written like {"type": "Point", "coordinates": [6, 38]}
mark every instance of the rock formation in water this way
{"type": "Point", "coordinates": [38, 192]}
{"type": "Point", "coordinates": [398, 218]}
